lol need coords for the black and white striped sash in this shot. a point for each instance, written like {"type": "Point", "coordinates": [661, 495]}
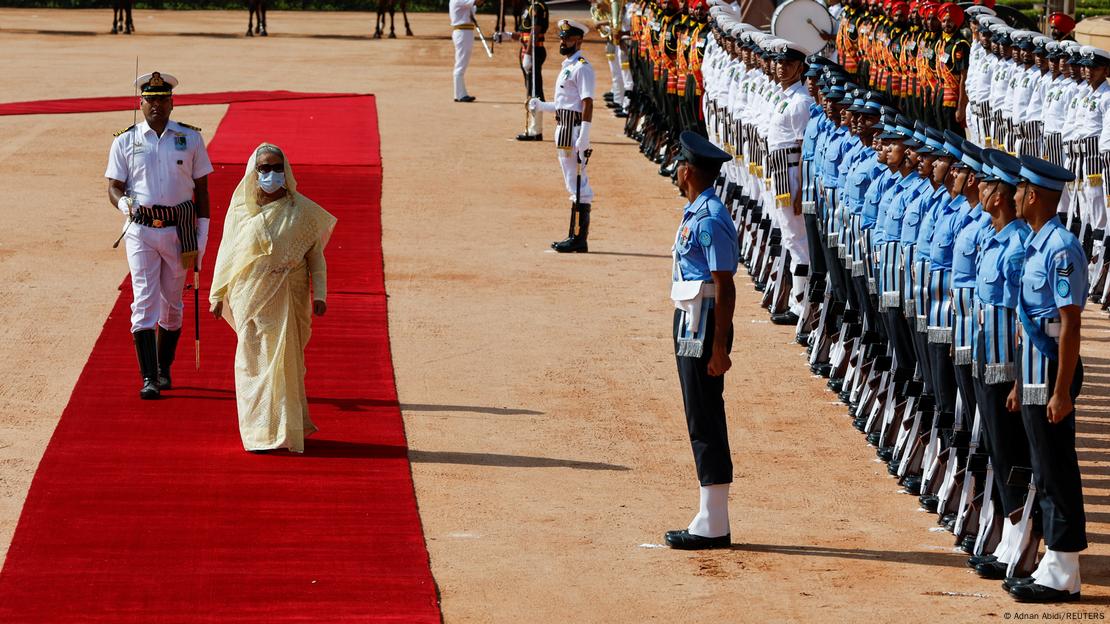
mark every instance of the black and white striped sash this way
{"type": "Point", "coordinates": [566, 121]}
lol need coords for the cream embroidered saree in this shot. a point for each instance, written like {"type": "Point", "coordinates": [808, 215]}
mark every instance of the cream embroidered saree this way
{"type": "Point", "coordinates": [267, 258]}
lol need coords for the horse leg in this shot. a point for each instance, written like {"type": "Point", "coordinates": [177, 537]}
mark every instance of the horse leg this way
{"type": "Point", "coordinates": [379, 23]}
{"type": "Point", "coordinates": [250, 19]}
{"type": "Point", "coordinates": [405, 16]}
{"type": "Point", "coordinates": [262, 16]}
{"type": "Point", "coordinates": [130, 24]}
{"type": "Point", "coordinates": [392, 14]}
{"type": "Point", "coordinates": [115, 19]}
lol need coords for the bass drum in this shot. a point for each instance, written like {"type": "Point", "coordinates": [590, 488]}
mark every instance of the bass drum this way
{"type": "Point", "coordinates": [804, 22]}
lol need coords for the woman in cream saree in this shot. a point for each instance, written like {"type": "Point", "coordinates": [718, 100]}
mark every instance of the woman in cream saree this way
{"type": "Point", "coordinates": [272, 251]}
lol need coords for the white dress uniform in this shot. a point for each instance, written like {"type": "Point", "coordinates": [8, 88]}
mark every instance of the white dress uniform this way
{"type": "Point", "coordinates": [574, 84]}
{"type": "Point", "coordinates": [158, 171]}
{"type": "Point", "coordinates": [786, 127]}
{"type": "Point", "coordinates": [462, 34]}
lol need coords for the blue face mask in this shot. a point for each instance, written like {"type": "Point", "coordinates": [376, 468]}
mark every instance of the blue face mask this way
{"type": "Point", "coordinates": [271, 181]}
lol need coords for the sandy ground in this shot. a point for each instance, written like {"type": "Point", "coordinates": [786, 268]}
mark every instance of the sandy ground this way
{"type": "Point", "coordinates": [539, 391]}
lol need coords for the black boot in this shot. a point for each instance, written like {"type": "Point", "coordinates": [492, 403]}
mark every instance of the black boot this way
{"type": "Point", "coordinates": [146, 347]}
{"type": "Point", "coordinates": [577, 242]}
{"type": "Point", "coordinates": [167, 348]}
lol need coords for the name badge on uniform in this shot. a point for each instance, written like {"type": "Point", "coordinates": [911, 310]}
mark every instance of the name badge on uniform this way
{"type": "Point", "coordinates": [179, 143]}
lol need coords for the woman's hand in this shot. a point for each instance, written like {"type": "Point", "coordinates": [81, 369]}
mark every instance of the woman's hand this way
{"type": "Point", "coordinates": [319, 307]}
{"type": "Point", "coordinates": [217, 309]}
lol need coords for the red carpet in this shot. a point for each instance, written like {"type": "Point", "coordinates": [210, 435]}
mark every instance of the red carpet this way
{"type": "Point", "coordinates": [152, 512]}
{"type": "Point", "coordinates": [127, 102]}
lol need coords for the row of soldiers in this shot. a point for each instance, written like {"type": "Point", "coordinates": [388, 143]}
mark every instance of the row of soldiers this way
{"type": "Point", "coordinates": [929, 276]}
{"type": "Point", "coordinates": [1031, 95]}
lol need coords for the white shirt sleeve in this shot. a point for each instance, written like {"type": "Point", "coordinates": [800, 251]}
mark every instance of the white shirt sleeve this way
{"type": "Point", "coordinates": [585, 80]}
{"type": "Point", "coordinates": [117, 160]}
{"type": "Point", "coordinates": [202, 166]}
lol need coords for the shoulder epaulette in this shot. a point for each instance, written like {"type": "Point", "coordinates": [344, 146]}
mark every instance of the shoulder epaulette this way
{"type": "Point", "coordinates": [583, 60]}
{"type": "Point", "coordinates": [185, 125]}
{"type": "Point", "coordinates": [702, 213]}
{"type": "Point", "coordinates": [124, 130]}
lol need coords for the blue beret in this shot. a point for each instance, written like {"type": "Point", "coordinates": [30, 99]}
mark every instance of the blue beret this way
{"type": "Point", "coordinates": [1044, 174]}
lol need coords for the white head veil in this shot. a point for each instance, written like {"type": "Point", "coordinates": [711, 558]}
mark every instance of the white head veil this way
{"type": "Point", "coordinates": [245, 237]}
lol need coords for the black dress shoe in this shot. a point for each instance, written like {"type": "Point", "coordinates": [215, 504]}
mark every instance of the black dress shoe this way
{"type": "Point", "coordinates": [785, 318]}
{"type": "Point", "coordinates": [873, 438]}
{"type": "Point", "coordinates": [611, 104]}
{"type": "Point", "coordinates": [975, 560]}
{"type": "Point", "coordinates": [574, 244]}
{"type": "Point", "coordinates": [466, 98]}
{"type": "Point", "coordinates": [993, 570]}
{"type": "Point", "coordinates": [1013, 581]}
{"type": "Point", "coordinates": [912, 485]}
{"type": "Point", "coordinates": [968, 546]}
{"type": "Point", "coordinates": [929, 502]}
{"type": "Point", "coordinates": [621, 114]}
{"type": "Point", "coordinates": [760, 286]}
{"type": "Point", "coordinates": [524, 136]}
{"type": "Point", "coordinates": [825, 370]}
{"type": "Point", "coordinates": [1034, 592]}
{"type": "Point", "coordinates": [886, 454]}
{"type": "Point", "coordinates": [684, 540]}
{"type": "Point", "coordinates": [802, 339]}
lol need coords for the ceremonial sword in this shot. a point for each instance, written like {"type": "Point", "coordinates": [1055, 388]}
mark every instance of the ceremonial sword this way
{"type": "Point", "coordinates": [131, 164]}
{"type": "Point", "coordinates": [482, 37]}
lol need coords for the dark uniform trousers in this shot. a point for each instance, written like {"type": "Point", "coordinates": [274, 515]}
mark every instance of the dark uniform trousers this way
{"type": "Point", "coordinates": [944, 384]}
{"type": "Point", "coordinates": [1056, 471]}
{"type": "Point", "coordinates": [537, 66]}
{"type": "Point", "coordinates": [704, 401]}
{"type": "Point", "coordinates": [1007, 443]}
{"type": "Point", "coordinates": [901, 340]}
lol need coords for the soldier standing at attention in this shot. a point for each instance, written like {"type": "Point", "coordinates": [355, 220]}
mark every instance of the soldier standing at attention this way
{"type": "Point", "coordinates": [574, 112]}
{"type": "Point", "coordinates": [706, 255]}
{"type": "Point", "coordinates": [158, 178]}
{"type": "Point", "coordinates": [1054, 289]}
{"type": "Point", "coordinates": [462, 34]}
{"type": "Point", "coordinates": [533, 54]}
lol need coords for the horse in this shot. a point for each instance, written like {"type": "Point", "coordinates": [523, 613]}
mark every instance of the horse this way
{"type": "Point", "coordinates": [391, 7]}
{"type": "Point", "coordinates": [121, 17]}
{"type": "Point", "coordinates": [256, 7]}
{"type": "Point", "coordinates": [517, 8]}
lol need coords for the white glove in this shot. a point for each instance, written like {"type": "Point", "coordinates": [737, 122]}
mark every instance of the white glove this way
{"type": "Point", "coordinates": [536, 104]}
{"type": "Point", "coordinates": [202, 239]}
{"type": "Point", "coordinates": [124, 205]}
{"type": "Point", "coordinates": [583, 142]}
{"type": "Point", "coordinates": [526, 62]}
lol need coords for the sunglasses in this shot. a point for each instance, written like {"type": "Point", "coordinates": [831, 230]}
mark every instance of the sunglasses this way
{"type": "Point", "coordinates": [278, 168]}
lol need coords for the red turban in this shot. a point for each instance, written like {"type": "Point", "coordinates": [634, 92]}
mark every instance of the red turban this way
{"type": "Point", "coordinates": [1062, 22]}
{"type": "Point", "coordinates": [953, 11]}
{"type": "Point", "coordinates": [987, 3]}
{"type": "Point", "coordinates": [899, 8]}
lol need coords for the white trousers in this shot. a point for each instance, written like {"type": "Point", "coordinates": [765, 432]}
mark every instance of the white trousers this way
{"type": "Point", "coordinates": [793, 226]}
{"type": "Point", "coordinates": [157, 277]}
{"type": "Point", "coordinates": [617, 77]}
{"type": "Point", "coordinates": [464, 45]}
{"type": "Point", "coordinates": [570, 172]}
{"type": "Point", "coordinates": [626, 74]}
